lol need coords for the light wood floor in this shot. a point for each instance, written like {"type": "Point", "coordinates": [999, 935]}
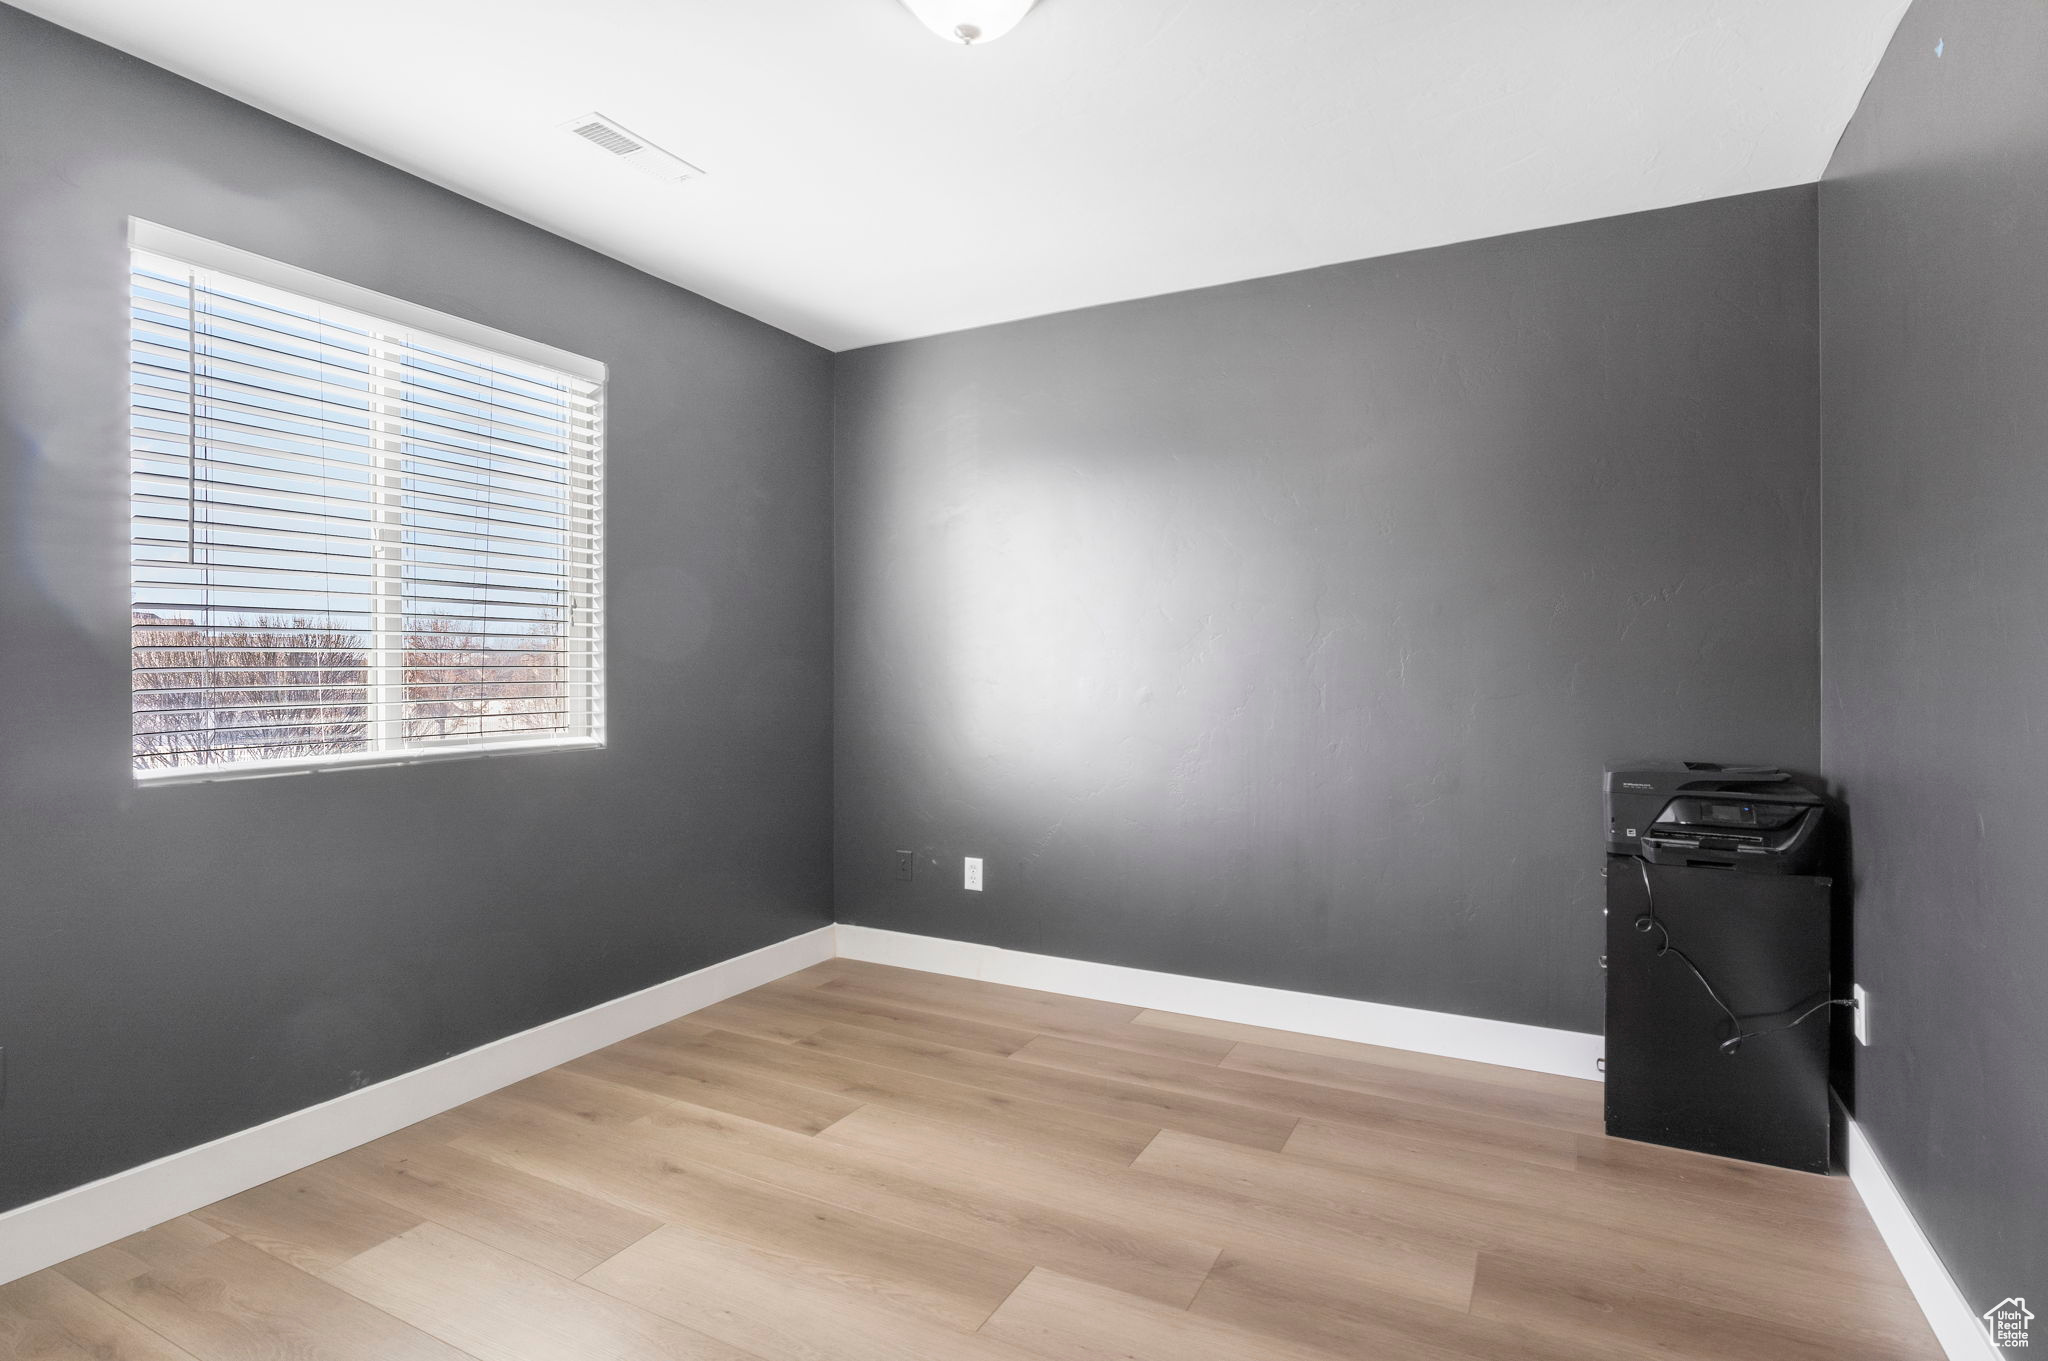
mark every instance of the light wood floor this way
{"type": "Point", "coordinates": [869, 1164]}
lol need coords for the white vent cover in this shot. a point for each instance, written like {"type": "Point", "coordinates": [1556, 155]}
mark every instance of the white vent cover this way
{"type": "Point", "coordinates": [636, 151]}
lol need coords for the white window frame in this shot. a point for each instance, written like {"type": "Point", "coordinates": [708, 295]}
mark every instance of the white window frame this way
{"type": "Point", "coordinates": [387, 314]}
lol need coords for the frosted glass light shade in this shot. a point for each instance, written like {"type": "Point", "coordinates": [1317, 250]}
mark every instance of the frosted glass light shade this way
{"type": "Point", "coordinates": [969, 22]}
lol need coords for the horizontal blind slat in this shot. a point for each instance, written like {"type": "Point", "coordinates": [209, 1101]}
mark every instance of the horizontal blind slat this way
{"type": "Point", "coordinates": [158, 626]}
{"type": "Point", "coordinates": [230, 475]}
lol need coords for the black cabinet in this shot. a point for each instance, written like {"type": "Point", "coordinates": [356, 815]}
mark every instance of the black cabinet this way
{"type": "Point", "coordinates": [1762, 942]}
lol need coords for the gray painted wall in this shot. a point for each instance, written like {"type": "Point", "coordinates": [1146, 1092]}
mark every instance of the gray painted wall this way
{"type": "Point", "coordinates": [1274, 632]}
{"type": "Point", "coordinates": [1278, 632]}
{"type": "Point", "coordinates": [1934, 270]}
{"type": "Point", "coordinates": [179, 963]}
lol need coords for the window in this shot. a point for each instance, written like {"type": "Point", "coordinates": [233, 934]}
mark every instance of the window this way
{"type": "Point", "coordinates": [361, 532]}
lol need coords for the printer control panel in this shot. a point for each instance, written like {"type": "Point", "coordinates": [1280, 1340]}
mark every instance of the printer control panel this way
{"type": "Point", "coordinates": [1745, 818]}
{"type": "Point", "coordinates": [1719, 812]}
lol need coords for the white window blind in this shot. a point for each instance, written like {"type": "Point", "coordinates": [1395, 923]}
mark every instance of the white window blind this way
{"type": "Point", "coordinates": [354, 540]}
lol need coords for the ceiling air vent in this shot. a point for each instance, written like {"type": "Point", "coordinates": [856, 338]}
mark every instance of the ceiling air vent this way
{"type": "Point", "coordinates": [637, 152]}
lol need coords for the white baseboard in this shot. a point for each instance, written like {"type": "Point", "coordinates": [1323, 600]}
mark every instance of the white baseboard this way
{"type": "Point", "coordinates": [1956, 1325]}
{"type": "Point", "coordinates": [49, 1231]}
{"type": "Point", "coordinates": [1566, 1052]}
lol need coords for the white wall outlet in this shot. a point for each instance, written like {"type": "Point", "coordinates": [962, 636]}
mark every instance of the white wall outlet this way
{"type": "Point", "coordinates": [974, 872]}
{"type": "Point", "coordinates": [1859, 1015]}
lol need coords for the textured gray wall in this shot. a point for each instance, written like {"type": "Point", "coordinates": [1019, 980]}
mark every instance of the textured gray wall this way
{"type": "Point", "coordinates": [1278, 632]}
{"type": "Point", "coordinates": [1934, 269]}
{"type": "Point", "coordinates": [179, 963]}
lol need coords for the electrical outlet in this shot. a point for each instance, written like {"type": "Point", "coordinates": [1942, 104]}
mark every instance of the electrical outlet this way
{"type": "Point", "coordinates": [974, 873]}
{"type": "Point", "coordinates": [1859, 1015]}
{"type": "Point", "coordinates": [906, 865]}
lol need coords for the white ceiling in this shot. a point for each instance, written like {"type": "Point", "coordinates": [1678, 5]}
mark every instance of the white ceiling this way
{"type": "Point", "coordinates": [868, 182]}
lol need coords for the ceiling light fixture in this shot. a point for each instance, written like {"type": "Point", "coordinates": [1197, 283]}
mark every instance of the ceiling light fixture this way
{"type": "Point", "coordinates": [969, 22]}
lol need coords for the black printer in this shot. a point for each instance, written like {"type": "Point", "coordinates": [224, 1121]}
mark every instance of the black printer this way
{"type": "Point", "coordinates": [1696, 813]}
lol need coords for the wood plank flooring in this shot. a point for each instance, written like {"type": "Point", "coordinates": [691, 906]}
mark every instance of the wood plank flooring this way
{"type": "Point", "coordinates": [860, 1163]}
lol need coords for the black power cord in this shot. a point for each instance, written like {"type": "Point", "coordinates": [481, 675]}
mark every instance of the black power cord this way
{"type": "Point", "coordinates": [1648, 922]}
